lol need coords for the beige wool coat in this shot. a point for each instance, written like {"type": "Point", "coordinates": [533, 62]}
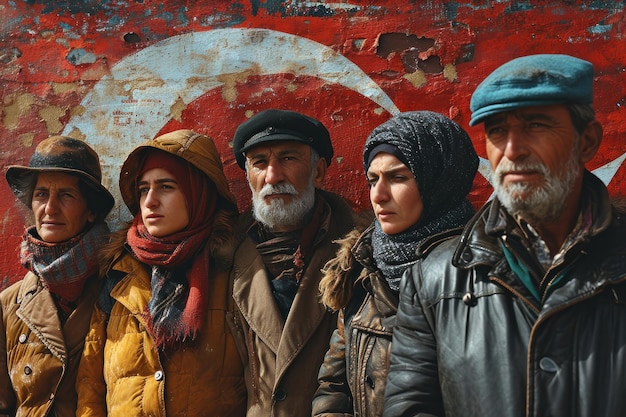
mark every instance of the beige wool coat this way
{"type": "Point", "coordinates": [282, 358]}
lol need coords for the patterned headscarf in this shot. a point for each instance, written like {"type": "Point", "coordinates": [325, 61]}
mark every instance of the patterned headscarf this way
{"type": "Point", "coordinates": [440, 155]}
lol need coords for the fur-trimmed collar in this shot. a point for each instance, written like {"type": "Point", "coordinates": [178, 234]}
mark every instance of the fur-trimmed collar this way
{"type": "Point", "coordinates": [340, 273]}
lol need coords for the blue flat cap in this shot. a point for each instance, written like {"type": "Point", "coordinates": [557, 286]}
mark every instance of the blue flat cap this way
{"type": "Point", "coordinates": [281, 125]}
{"type": "Point", "coordinates": [533, 80]}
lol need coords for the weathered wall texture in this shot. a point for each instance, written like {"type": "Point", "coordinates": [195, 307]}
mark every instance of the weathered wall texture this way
{"type": "Point", "coordinates": [115, 73]}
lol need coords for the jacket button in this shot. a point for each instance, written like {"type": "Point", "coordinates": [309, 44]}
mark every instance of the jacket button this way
{"type": "Point", "coordinates": [279, 395]}
{"type": "Point", "coordinates": [158, 375]}
{"type": "Point", "coordinates": [23, 338]}
{"type": "Point", "coordinates": [369, 381]}
{"type": "Point", "coordinates": [470, 299]}
{"type": "Point", "coordinates": [548, 365]}
{"type": "Point", "coordinates": [466, 256]}
{"type": "Point", "coordinates": [28, 370]}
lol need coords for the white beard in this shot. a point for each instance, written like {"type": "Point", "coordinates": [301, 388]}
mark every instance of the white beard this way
{"type": "Point", "coordinates": [278, 214]}
{"type": "Point", "coordinates": [541, 203]}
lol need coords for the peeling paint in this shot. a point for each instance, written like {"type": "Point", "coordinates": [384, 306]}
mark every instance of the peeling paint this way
{"type": "Point", "coordinates": [26, 139]}
{"type": "Point", "coordinates": [177, 109]}
{"type": "Point", "coordinates": [449, 72]}
{"type": "Point", "coordinates": [417, 78]}
{"type": "Point", "coordinates": [115, 73]}
{"type": "Point", "coordinates": [51, 116]}
{"type": "Point", "coordinates": [61, 88]}
{"type": "Point", "coordinates": [16, 106]}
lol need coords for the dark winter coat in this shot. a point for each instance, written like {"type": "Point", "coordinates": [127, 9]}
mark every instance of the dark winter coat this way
{"type": "Point", "coordinates": [472, 341]}
{"type": "Point", "coordinates": [352, 377]}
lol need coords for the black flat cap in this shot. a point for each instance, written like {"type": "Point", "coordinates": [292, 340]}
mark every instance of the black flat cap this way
{"type": "Point", "coordinates": [279, 125]}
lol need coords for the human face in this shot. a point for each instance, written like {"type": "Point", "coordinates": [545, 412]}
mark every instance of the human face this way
{"type": "Point", "coordinates": [394, 194]}
{"type": "Point", "coordinates": [59, 207]}
{"type": "Point", "coordinates": [536, 158]}
{"type": "Point", "coordinates": [283, 179]}
{"type": "Point", "coordinates": [162, 203]}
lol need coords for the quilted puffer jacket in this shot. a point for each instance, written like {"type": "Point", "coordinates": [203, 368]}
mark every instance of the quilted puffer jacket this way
{"type": "Point", "coordinates": [122, 374]}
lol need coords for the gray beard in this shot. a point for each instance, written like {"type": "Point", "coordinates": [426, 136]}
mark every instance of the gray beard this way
{"type": "Point", "coordinates": [538, 204]}
{"type": "Point", "coordinates": [278, 214]}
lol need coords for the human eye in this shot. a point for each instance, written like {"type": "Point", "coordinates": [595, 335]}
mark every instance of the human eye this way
{"type": "Point", "coordinates": [143, 190]}
{"type": "Point", "coordinates": [258, 162]}
{"type": "Point", "coordinates": [290, 157]}
{"type": "Point", "coordinates": [68, 195]}
{"type": "Point", "coordinates": [536, 125]}
{"type": "Point", "coordinates": [371, 181]}
{"type": "Point", "coordinates": [40, 194]}
{"type": "Point", "coordinates": [494, 131]}
{"type": "Point", "coordinates": [399, 178]}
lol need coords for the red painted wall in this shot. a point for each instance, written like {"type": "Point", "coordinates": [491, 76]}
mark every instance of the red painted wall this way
{"type": "Point", "coordinates": [115, 73]}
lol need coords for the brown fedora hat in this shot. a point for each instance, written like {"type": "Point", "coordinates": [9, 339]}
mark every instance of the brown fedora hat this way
{"type": "Point", "coordinates": [66, 155]}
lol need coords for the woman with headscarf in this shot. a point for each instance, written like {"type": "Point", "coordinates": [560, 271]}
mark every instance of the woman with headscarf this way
{"type": "Point", "coordinates": [45, 316]}
{"type": "Point", "coordinates": [420, 167]}
{"type": "Point", "coordinates": [160, 342]}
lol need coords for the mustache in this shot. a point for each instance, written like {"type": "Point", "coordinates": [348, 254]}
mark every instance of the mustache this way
{"type": "Point", "coordinates": [506, 165]}
{"type": "Point", "coordinates": [280, 188]}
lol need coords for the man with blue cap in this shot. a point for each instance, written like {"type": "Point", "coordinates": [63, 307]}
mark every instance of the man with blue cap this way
{"type": "Point", "coordinates": [523, 312]}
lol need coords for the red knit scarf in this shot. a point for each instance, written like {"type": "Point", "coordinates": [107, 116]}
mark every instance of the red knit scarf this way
{"type": "Point", "coordinates": [180, 265]}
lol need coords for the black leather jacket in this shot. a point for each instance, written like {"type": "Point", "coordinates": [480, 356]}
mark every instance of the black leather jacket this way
{"type": "Point", "coordinates": [353, 375]}
{"type": "Point", "coordinates": [472, 341]}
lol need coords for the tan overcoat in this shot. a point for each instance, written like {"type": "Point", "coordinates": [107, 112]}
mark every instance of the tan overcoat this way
{"type": "Point", "coordinates": [284, 357]}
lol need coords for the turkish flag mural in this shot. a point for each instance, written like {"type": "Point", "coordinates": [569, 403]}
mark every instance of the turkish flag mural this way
{"type": "Point", "coordinates": [117, 73]}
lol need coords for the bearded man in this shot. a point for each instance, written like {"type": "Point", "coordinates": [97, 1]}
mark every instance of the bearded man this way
{"type": "Point", "coordinates": [523, 312]}
{"type": "Point", "coordinates": [283, 328]}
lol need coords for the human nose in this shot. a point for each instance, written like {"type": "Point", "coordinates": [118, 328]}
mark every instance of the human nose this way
{"type": "Point", "coordinates": [516, 144]}
{"type": "Point", "coordinates": [274, 172]}
{"type": "Point", "coordinates": [379, 192]}
{"type": "Point", "coordinates": [150, 198]}
{"type": "Point", "coordinates": [52, 204]}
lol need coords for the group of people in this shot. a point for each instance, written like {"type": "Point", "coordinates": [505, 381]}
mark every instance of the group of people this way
{"type": "Point", "coordinates": [302, 307]}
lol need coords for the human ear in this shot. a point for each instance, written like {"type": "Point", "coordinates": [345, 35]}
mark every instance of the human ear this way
{"type": "Point", "coordinates": [320, 173]}
{"type": "Point", "coordinates": [590, 140]}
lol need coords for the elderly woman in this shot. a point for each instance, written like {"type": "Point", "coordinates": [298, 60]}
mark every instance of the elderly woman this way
{"type": "Point", "coordinates": [44, 317]}
{"type": "Point", "coordinates": [160, 342]}
{"type": "Point", "coordinates": [420, 167]}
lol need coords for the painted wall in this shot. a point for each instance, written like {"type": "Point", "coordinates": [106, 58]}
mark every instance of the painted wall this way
{"type": "Point", "coordinates": [115, 73]}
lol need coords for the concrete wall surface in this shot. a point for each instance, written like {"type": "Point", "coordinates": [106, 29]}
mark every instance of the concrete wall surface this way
{"type": "Point", "coordinates": [115, 73]}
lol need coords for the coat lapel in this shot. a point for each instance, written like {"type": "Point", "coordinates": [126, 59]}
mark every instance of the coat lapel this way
{"type": "Point", "coordinates": [38, 311]}
{"type": "Point", "coordinates": [253, 295]}
{"type": "Point", "coordinates": [305, 316]}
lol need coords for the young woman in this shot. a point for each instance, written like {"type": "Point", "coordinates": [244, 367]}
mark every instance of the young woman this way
{"type": "Point", "coordinates": [45, 316]}
{"type": "Point", "coordinates": [160, 342]}
{"type": "Point", "coordinates": [420, 167]}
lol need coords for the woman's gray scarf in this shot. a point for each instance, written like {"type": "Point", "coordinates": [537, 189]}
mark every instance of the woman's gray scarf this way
{"type": "Point", "coordinates": [395, 253]}
{"type": "Point", "coordinates": [441, 156]}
